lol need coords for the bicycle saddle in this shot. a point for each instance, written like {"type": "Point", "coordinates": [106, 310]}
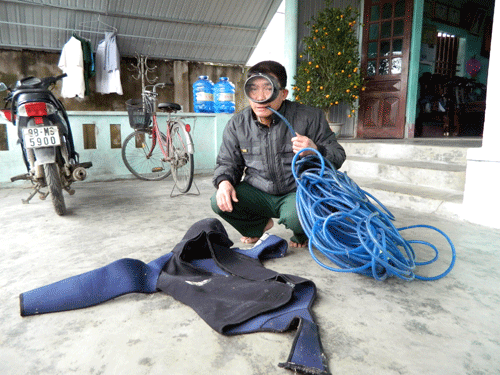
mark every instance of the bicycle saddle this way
{"type": "Point", "coordinates": [169, 107]}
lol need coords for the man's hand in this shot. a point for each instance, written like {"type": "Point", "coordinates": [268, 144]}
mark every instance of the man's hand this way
{"type": "Point", "coordinates": [299, 142]}
{"type": "Point", "coordinates": [226, 195]}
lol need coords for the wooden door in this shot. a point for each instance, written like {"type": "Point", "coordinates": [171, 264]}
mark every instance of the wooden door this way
{"type": "Point", "coordinates": [385, 64]}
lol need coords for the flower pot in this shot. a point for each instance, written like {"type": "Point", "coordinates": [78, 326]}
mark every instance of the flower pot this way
{"type": "Point", "coordinates": [336, 127]}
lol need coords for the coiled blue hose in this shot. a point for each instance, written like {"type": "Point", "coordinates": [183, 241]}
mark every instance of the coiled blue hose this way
{"type": "Point", "coordinates": [349, 230]}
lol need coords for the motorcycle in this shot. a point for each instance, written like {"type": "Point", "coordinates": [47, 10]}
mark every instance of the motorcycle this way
{"type": "Point", "coordinates": [45, 136]}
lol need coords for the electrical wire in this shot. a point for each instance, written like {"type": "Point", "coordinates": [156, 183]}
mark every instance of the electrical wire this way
{"type": "Point", "coordinates": [349, 230]}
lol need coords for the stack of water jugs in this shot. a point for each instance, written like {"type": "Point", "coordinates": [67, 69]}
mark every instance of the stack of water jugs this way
{"type": "Point", "coordinates": [210, 98]}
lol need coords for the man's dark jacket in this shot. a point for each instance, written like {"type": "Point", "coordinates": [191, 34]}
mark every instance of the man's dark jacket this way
{"type": "Point", "coordinates": [264, 154]}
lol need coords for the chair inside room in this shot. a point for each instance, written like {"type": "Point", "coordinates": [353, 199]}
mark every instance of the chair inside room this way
{"type": "Point", "coordinates": [437, 107]}
{"type": "Point", "coordinates": [470, 106]}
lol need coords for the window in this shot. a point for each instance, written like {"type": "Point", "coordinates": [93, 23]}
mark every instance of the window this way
{"type": "Point", "coordinates": [115, 135]}
{"type": "Point", "coordinates": [446, 54]}
{"type": "Point", "coordinates": [4, 144]}
{"type": "Point", "coordinates": [89, 137]}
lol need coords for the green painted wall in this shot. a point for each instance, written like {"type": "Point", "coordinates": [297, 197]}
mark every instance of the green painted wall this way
{"type": "Point", "coordinates": [412, 95]}
{"type": "Point", "coordinates": [107, 162]}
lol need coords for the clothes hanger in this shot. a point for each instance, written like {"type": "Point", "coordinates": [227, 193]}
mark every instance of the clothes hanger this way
{"type": "Point", "coordinates": [90, 26]}
{"type": "Point", "coordinates": [77, 35]}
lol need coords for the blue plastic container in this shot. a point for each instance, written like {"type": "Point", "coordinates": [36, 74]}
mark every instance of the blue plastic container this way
{"type": "Point", "coordinates": [224, 96]}
{"type": "Point", "coordinates": [203, 95]}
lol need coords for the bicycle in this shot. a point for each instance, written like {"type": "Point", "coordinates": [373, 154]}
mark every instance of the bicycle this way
{"type": "Point", "coordinates": [152, 155]}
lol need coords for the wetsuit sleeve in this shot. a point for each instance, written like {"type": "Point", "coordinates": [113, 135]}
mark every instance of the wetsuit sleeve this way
{"type": "Point", "coordinates": [91, 288]}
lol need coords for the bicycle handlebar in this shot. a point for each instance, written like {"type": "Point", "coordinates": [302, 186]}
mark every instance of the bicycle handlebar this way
{"type": "Point", "coordinates": [160, 85]}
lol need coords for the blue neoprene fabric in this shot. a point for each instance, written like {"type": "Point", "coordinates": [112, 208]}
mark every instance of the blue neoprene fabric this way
{"type": "Point", "coordinates": [91, 288]}
{"type": "Point", "coordinates": [288, 309]}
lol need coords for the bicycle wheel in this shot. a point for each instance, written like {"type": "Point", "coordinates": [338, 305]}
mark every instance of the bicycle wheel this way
{"type": "Point", "coordinates": [182, 162]}
{"type": "Point", "coordinates": [138, 158]}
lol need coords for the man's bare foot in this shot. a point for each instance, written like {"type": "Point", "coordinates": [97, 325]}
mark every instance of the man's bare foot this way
{"type": "Point", "coordinates": [298, 245]}
{"type": "Point", "coordinates": [249, 240]}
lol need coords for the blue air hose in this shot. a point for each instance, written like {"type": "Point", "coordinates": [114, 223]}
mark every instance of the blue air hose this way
{"type": "Point", "coordinates": [348, 229]}
{"type": "Point", "coordinates": [284, 120]}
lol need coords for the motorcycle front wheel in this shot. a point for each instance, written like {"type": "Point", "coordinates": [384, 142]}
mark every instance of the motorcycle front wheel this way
{"type": "Point", "coordinates": [53, 180]}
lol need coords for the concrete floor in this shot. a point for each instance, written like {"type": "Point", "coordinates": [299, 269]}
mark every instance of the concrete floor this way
{"type": "Point", "coordinates": [449, 326]}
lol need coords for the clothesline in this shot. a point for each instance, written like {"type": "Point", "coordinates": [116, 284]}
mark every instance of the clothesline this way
{"type": "Point", "coordinates": [55, 28]}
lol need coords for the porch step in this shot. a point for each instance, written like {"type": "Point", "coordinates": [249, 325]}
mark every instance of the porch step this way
{"type": "Point", "coordinates": [436, 150]}
{"type": "Point", "coordinates": [418, 198]}
{"type": "Point", "coordinates": [426, 176]}
{"type": "Point", "coordinates": [447, 176]}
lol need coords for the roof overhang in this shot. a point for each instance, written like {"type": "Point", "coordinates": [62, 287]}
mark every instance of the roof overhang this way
{"type": "Point", "coordinates": [217, 31]}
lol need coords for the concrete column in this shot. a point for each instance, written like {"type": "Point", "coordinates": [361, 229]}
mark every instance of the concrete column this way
{"type": "Point", "coordinates": [482, 185]}
{"type": "Point", "coordinates": [291, 27]}
{"type": "Point", "coordinates": [182, 86]}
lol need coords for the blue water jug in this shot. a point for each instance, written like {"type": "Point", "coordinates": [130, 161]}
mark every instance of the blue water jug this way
{"type": "Point", "coordinates": [203, 95]}
{"type": "Point", "coordinates": [224, 96]}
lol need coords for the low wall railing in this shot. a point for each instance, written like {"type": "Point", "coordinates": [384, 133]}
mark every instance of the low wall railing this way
{"type": "Point", "coordinates": [98, 137]}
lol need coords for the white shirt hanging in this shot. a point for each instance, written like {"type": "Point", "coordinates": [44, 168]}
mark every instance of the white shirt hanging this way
{"type": "Point", "coordinates": [107, 66]}
{"type": "Point", "coordinates": [71, 63]}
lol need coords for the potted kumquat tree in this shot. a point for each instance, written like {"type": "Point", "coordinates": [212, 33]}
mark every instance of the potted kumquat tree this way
{"type": "Point", "coordinates": [328, 73]}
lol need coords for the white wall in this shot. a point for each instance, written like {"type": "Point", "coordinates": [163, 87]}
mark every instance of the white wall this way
{"type": "Point", "coordinates": [482, 184]}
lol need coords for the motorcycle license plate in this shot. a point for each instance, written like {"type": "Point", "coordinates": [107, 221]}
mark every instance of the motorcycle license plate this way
{"type": "Point", "coordinates": [43, 136]}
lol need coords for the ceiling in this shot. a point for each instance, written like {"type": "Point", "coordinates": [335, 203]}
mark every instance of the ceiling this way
{"type": "Point", "coordinates": [217, 31]}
